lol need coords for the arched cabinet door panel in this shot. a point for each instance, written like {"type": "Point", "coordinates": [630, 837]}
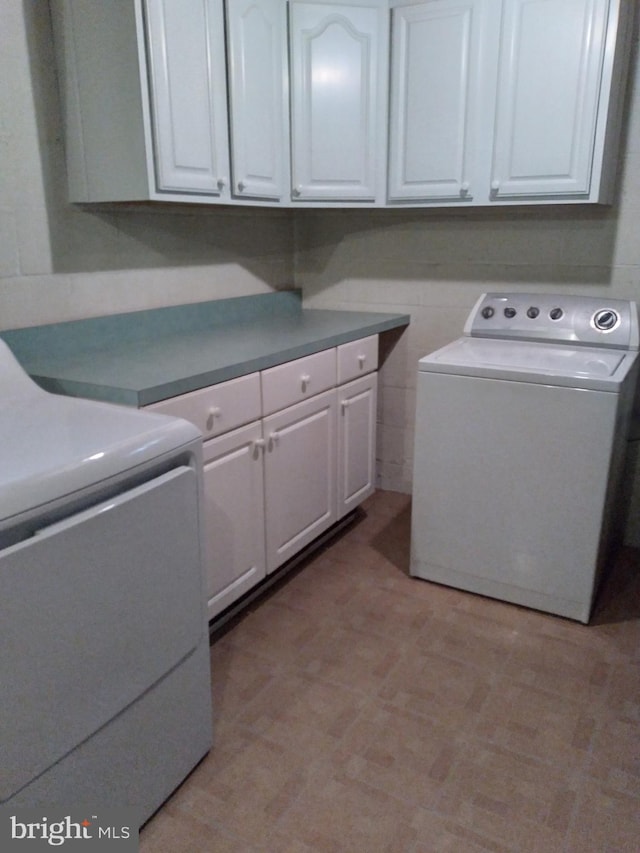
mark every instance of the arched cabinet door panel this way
{"type": "Point", "coordinates": [339, 61]}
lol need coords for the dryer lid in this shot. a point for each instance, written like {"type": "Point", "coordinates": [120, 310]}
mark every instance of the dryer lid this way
{"type": "Point", "coordinates": [52, 446]}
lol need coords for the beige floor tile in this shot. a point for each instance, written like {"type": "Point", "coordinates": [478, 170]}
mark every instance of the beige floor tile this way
{"type": "Point", "coordinates": [361, 710]}
{"type": "Point", "coordinates": [324, 587]}
{"type": "Point", "coordinates": [623, 692]}
{"type": "Point", "coordinates": [346, 815]}
{"type": "Point", "coordinates": [389, 612]}
{"type": "Point", "coordinates": [245, 785]}
{"type": "Point", "coordinates": [615, 756]}
{"type": "Point", "coordinates": [303, 713]}
{"type": "Point", "coordinates": [469, 637]}
{"type": "Point", "coordinates": [173, 832]}
{"type": "Point", "coordinates": [606, 820]}
{"type": "Point", "coordinates": [407, 756]}
{"type": "Point", "coordinates": [352, 658]}
{"type": "Point", "coordinates": [560, 665]}
{"type": "Point", "coordinates": [238, 675]}
{"type": "Point", "coordinates": [537, 723]}
{"type": "Point", "coordinates": [510, 798]}
{"type": "Point", "coordinates": [448, 691]}
{"type": "Point", "coordinates": [275, 632]}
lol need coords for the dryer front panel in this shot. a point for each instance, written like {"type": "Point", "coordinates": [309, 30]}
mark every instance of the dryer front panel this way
{"type": "Point", "coordinates": [94, 610]}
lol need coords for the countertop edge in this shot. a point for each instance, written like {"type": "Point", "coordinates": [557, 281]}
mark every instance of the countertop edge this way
{"type": "Point", "coordinates": [364, 324]}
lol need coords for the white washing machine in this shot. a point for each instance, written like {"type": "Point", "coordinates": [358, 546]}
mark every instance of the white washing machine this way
{"type": "Point", "coordinates": [519, 444]}
{"type": "Point", "coordinates": [104, 652]}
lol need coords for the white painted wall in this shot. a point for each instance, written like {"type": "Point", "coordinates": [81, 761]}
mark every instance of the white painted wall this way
{"type": "Point", "coordinates": [62, 262]}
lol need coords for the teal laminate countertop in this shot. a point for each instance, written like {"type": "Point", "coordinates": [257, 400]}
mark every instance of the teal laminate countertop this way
{"type": "Point", "coordinates": [146, 356]}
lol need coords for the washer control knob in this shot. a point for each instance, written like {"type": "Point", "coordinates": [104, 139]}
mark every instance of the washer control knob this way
{"type": "Point", "coordinates": [605, 320]}
{"type": "Point", "coordinates": [532, 312]}
{"type": "Point", "coordinates": [510, 312]}
{"type": "Point", "coordinates": [487, 312]}
{"type": "Point", "coordinates": [556, 313]}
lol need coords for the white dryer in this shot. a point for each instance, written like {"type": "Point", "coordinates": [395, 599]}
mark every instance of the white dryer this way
{"type": "Point", "coordinates": [104, 652]}
{"type": "Point", "coordinates": [521, 428]}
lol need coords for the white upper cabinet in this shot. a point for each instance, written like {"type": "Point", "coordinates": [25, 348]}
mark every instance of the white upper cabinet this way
{"type": "Point", "coordinates": [551, 65]}
{"type": "Point", "coordinates": [440, 92]}
{"type": "Point", "coordinates": [506, 101]}
{"type": "Point", "coordinates": [339, 63]}
{"type": "Point", "coordinates": [187, 76]}
{"type": "Point", "coordinates": [258, 98]}
{"type": "Point", "coordinates": [355, 103]}
{"type": "Point", "coordinates": [143, 89]}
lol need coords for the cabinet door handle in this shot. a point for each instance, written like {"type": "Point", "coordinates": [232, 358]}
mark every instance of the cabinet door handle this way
{"type": "Point", "coordinates": [345, 405]}
{"type": "Point", "coordinates": [361, 360]}
{"type": "Point", "coordinates": [274, 438]}
{"type": "Point", "coordinates": [257, 444]}
{"type": "Point", "coordinates": [213, 413]}
{"type": "Point", "coordinates": [305, 379]}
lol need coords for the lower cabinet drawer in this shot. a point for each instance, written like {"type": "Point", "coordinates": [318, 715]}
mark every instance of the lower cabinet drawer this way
{"type": "Point", "coordinates": [294, 381]}
{"type": "Point", "coordinates": [217, 408]}
{"type": "Point", "coordinates": [357, 358]}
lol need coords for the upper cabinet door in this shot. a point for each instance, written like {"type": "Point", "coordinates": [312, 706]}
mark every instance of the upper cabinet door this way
{"type": "Point", "coordinates": [186, 50]}
{"type": "Point", "coordinates": [339, 62]}
{"type": "Point", "coordinates": [551, 61]}
{"type": "Point", "coordinates": [437, 85]}
{"type": "Point", "coordinates": [258, 94]}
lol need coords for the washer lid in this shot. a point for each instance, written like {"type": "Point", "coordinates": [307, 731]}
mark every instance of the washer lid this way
{"type": "Point", "coordinates": [574, 366]}
{"type": "Point", "coordinates": [52, 446]}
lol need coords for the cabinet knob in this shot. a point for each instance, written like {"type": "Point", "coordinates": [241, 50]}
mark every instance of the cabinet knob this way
{"type": "Point", "coordinates": [464, 189]}
{"type": "Point", "coordinates": [213, 413]}
{"type": "Point", "coordinates": [241, 186]}
{"type": "Point", "coordinates": [258, 444]}
{"type": "Point", "coordinates": [296, 192]}
{"type": "Point", "coordinates": [221, 184]}
{"type": "Point", "coordinates": [361, 360]}
{"type": "Point", "coordinates": [274, 437]}
{"type": "Point", "coordinates": [495, 187]}
{"type": "Point", "coordinates": [305, 379]}
{"type": "Point", "coordinates": [344, 404]}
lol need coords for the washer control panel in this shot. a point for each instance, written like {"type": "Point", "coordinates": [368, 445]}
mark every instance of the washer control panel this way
{"type": "Point", "coordinates": [587, 320]}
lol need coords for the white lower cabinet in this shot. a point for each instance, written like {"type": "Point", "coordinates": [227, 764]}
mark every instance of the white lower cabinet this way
{"type": "Point", "coordinates": [300, 475]}
{"type": "Point", "coordinates": [233, 515]}
{"type": "Point", "coordinates": [357, 405]}
{"type": "Point", "coordinates": [287, 452]}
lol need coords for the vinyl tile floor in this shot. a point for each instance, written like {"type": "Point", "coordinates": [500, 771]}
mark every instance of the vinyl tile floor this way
{"type": "Point", "coordinates": [360, 710]}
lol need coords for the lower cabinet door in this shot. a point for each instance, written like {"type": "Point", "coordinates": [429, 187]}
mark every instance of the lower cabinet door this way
{"type": "Point", "coordinates": [233, 515]}
{"type": "Point", "coordinates": [300, 475]}
{"type": "Point", "coordinates": [356, 441]}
